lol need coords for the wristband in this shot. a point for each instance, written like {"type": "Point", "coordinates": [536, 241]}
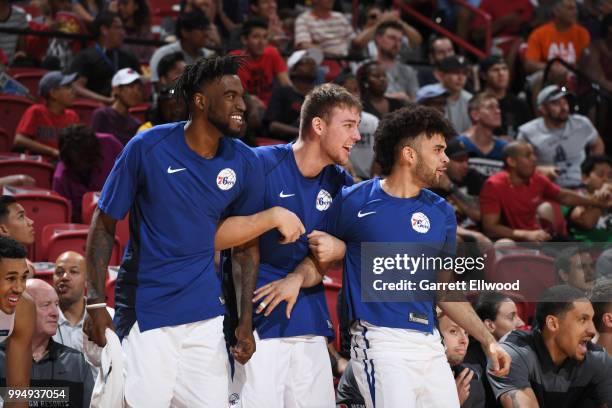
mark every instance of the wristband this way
{"type": "Point", "coordinates": [95, 306]}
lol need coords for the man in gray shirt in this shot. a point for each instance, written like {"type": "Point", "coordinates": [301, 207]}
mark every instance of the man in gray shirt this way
{"type": "Point", "coordinates": [452, 74]}
{"type": "Point", "coordinates": [403, 80]}
{"type": "Point", "coordinates": [11, 17]}
{"type": "Point", "coordinates": [560, 138]}
{"type": "Point", "coordinates": [556, 364]}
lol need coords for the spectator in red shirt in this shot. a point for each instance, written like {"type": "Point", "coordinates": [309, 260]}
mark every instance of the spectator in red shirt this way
{"type": "Point", "coordinates": [86, 160]}
{"type": "Point", "coordinates": [38, 128]}
{"type": "Point", "coordinates": [509, 200]}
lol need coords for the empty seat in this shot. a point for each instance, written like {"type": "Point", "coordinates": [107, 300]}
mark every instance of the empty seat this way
{"type": "Point", "coordinates": [59, 238]}
{"type": "Point", "coordinates": [12, 108]}
{"type": "Point", "coordinates": [122, 228]}
{"type": "Point", "coordinates": [32, 166]}
{"type": "Point", "coordinates": [85, 108]}
{"type": "Point", "coordinates": [30, 80]}
{"type": "Point", "coordinates": [535, 273]}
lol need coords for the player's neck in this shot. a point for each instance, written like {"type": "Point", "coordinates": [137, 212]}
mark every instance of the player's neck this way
{"type": "Point", "coordinates": [556, 355]}
{"type": "Point", "coordinates": [202, 137]}
{"type": "Point", "coordinates": [74, 312]}
{"type": "Point", "coordinates": [309, 158]}
{"type": "Point", "coordinates": [605, 341]}
{"type": "Point", "coordinates": [401, 185]}
{"type": "Point", "coordinates": [499, 93]}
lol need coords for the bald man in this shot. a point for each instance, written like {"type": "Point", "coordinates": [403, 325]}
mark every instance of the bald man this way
{"type": "Point", "coordinates": [53, 365]}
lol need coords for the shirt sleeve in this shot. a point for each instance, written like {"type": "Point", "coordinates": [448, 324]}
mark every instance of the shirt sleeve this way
{"type": "Point", "coordinates": [28, 123]}
{"type": "Point", "coordinates": [301, 30]}
{"type": "Point", "coordinates": [603, 381]}
{"type": "Point", "coordinates": [450, 242]}
{"type": "Point", "coordinates": [489, 201]}
{"type": "Point", "coordinates": [534, 52]}
{"type": "Point", "coordinates": [278, 62]}
{"type": "Point", "coordinates": [251, 198]}
{"type": "Point", "coordinates": [551, 190]}
{"type": "Point", "coordinates": [517, 379]}
{"type": "Point", "coordinates": [119, 191]}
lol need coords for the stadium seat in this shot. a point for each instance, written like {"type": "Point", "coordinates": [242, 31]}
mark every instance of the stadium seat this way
{"type": "Point", "coordinates": [331, 295]}
{"type": "Point", "coordinates": [122, 228]}
{"type": "Point", "coordinates": [12, 71]}
{"type": "Point", "coordinates": [32, 166]}
{"type": "Point", "coordinates": [11, 110]}
{"type": "Point", "coordinates": [535, 273]}
{"type": "Point", "coordinates": [268, 141]}
{"type": "Point", "coordinates": [6, 141]}
{"type": "Point", "coordinates": [85, 108]}
{"type": "Point", "coordinates": [59, 238]}
{"type": "Point", "coordinates": [30, 80]}
{"type": "Point", "coordinates": [43, 207]}
{"type": "Point", "coordinates": [110, 292]}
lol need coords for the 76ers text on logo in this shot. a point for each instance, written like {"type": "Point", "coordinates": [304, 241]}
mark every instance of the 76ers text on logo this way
{"type": "Point", "coordinates": [420, 222]}
{"type": "Point", "coordinates": [226, 179]}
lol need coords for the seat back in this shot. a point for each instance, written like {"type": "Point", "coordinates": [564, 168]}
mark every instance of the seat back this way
{"type": "Point", "coordinates": [535, 273]}
{"type": "Point", "coordinates": [85, 109]}
{"type": "Point", "coordinates": [12, 108]}
{"type": "Point", "coordinates": [6, 141]}
{"type": "Point", "coordinates": [39, 170]}
{"type": "Point", "coordinates": [30, 80]}
{"type": "Point", "coordinates": [59, 238]}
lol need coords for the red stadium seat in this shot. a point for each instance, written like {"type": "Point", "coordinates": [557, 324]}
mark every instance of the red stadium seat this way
{"type": "Point", "coordinates": [122, 228]}
{"type": "Point", "coordinates": [139, 111]}
{"type": "Point", "coordinates": [85, 108]}
{"type": "Point", "coordinates": [11, 110]}
{"type": "Point", "coordinates": [12, 71]}
{"type": "Point", "coordinates": [43, 207]}
{"type": "Point", "coordinates": [535, 273]}
{"type": "Point", "coordinates": [110, 292]}
{"type": "Point", "coordinates": [6, 141]}
{"type": "Point", "coordinates": [30, 80]}
{"type": "Point", "coordinates": [268, 141]}
{"type": "Point", "coordinates": [59, 238]}
{"type": "Point", "coordinates": [331, 295]}
{"type": "Point", "coordinates": [32, 166]}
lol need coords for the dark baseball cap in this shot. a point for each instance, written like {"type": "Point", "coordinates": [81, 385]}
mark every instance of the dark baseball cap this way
{"type": "Point", "coordinates": [456, 148]}
{"type": "Point", "coordinates": [486, 63]}
{"type": "Point", "coordinates": [453, 63]}
{"type": "Point", "coordinates": [54, 79]}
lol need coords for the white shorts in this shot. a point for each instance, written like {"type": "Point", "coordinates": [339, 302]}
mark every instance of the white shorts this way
{"type": "Point", "coordinates": [291, 372]}
{"type": "Point", "coordinates": [178, 366]}
{"type": "Point", "coordinates": [401, 368]}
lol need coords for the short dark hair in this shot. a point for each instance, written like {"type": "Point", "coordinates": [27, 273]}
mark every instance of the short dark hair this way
{"type": "Point", "coordinates": [321, 101]}
{"type": "Point", "coordinates": [11, 249]}
{"type": "Point", "coordinates": [167, 62]}
{"type": "Point", "coordinates": [204, 71]}
{"type": "Point", "coordinates": [563, 260]}
{"type": "Point", "coordinates": [382, 27]}
{"type": "Point", "coordinates": [487, 305]}
{"type": "Point", "coordinates": [251, 24]}
{"type": "Point", "coordinates": [79, 139]}
{"type": "Point", "coordinates": [104, 18]}
{"type": "Point", "coordinates": [601, 299]}
{"type": "Point", "coordinates": [403, 126]}
{"type": "Point", "coordinates": [432, 40]}
{"type": "Point", "coordinates": [588, 165]}
{"type": "Point", "coordinates": [362, 74]}
{"type": "Point", "coordinates": [189, 21]}
{"type": "Point", "coordinates": [5, 201]}
{"type": "Point", "coordinates": [556, 301]}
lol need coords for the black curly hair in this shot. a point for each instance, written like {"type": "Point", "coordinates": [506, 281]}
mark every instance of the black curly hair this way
{"type": "Point", "coordinates": [11, 249]}
{"type": "Point", "coordinates": [402, 127]}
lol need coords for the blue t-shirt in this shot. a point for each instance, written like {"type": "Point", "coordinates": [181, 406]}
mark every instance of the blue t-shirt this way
{"type": "Point", "coordinates": [495, 154]}
{"type": "Point", "coordinates": [365, 213]}
{"type": "Point", "coordinates": [175, 198]}
{"type": "Point", "coordinates": [309, 199]}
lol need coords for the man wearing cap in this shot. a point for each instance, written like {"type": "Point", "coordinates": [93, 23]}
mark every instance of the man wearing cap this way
{"type": "Point", "coordinates": [116, 119]}
{"type": "Point", "coordinates": [452, 74]}
{"type": "Point", "coordinates": [191, 31]}
{"type": "Point", "coordinates": [40, 123]}
{"type": "Point", "coordinates": [560, 138]}
{"type": "Point", "coordinates": [433, 95]}
{"type": "Point", "coordinates": [495, 74]}
{"type": "Point", "coordinates": [97, 64]}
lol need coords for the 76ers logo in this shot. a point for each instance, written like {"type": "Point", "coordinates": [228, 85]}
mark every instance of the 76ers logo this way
{"type": "Point", "coordinates": [324, 200]}
{"type": "Point", "coordinates": [226, 179]}
{"type": "Point", "coordinates": [420, 222]}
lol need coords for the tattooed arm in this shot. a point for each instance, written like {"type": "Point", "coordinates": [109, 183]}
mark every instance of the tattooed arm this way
{"type": "Point", "coordinates": [99, 248]}
{"type": "Point", "coordinates": [523, 398]}
{"type": "Point", "coordinates": [247, 256]}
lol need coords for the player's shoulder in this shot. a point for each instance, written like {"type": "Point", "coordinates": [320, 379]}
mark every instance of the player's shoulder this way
{"type": "Point", "coordinates": [272, 156]}
{"type": "Point", "coordinates": [153, 136]}
{"type": "Point", "coordinates": [521, 343]}
{"type": "Point", "coordinates": [358, 191]}
{"type": "Point", "coordinates": [434, 200]}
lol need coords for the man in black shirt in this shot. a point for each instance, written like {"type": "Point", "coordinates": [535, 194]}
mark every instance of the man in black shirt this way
{"type": "Point", "coordinates": [97, 64]}
{"type": "Point", "coordinates": [556, 365]}
{"type": "Point", "coordinates": [515, 112]}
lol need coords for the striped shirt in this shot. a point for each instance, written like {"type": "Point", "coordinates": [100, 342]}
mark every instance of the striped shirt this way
{"type": "Point", "coordinates": [331, 34]}
{"type": "Point", "coordinates": [8, 42]}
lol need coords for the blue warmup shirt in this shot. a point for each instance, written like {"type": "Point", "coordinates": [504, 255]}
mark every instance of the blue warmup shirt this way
{"type": "Point", "coordinates": [495, 154]}
{"type": "Point", "coordinates": [309, 199]}
{"type": "Point", "coordinates": [366, 213]}
{"type": "Point", "coordinates": [175, 198]}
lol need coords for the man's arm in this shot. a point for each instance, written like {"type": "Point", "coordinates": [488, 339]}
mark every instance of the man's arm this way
{"type": "Point", "coordinates": [523, 398]}
{"type": "Point", "coordinates": [238, 230]}
{"type": "Point", "coordinates": [99, 247]}
{"type": "Point", "coordinates": [19, 347]}
{"type": "Point", "coordinates": [247, 256]}
{"type": "Point", "coordinates": [34, 146]}
{"type": "Point", "coordinates": [80, 87]}
{"type": "Point", "coordinates": [597, 147]}
{"type": "Point", "coordinates": [573, 199]}
{"type": "Point", "coordinates": [467, 204]}
{"type": "Point", "coordinates": [492, 227]}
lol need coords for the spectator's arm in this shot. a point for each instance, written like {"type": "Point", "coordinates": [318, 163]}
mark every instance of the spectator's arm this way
{"type": "Point", "coordinates": [414, 37]}
{"type": "Point", "coordinates": [597, 146]}
{"type": "Point", "coordinates": [523, 398]}
{"type": "Point", "coordinates": [34, 146]}
{"type": "Point", "coordinates": [364, 37]}
{"type": "Point", "coordinates": [492, 227]}
{"type": "Point", "coordinates": [19, 347]}
{"type": "Point", "coordinates": [80, 87]}
{"type": "Point", "coordinates": [585, 217]}
{"type": "Point", "coordinates": [573, 199]}
{"type": "Point", "coordinates": [83, 14]}
{"type": "Point", "coordinates": [283, 79]}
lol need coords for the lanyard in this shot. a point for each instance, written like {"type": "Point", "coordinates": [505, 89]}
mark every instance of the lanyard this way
{"type": "Point", "coordinates": [114, 64]}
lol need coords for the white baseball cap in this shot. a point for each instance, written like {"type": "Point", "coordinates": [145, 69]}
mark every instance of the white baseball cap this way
{"type": "Point", "coordinates": [125, 76]}
{"type": "Point", "coordinates": [299, 55]}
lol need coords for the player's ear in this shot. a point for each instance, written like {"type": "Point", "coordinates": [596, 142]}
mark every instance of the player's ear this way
{"type": "Point", "coordinates": [200, 101]}
{"type": "Point", "coordinates": [489, 325]}
{"type": "Point", "coordinates": [317, 125]}
{"type": "Point", "coordinates": [552, 322]}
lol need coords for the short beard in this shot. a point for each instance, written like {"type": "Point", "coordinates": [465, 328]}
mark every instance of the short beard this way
{"type": "Point", "coordinates": [224, 128]}
{"type": "Point", "coordinates": [424, 176]}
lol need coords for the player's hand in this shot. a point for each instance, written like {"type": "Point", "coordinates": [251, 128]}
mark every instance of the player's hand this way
{"type": "Point", "coordinates": [95, 325]}
{"type": "Point", "coordinates": [286, 289]}
{"type": "Point", "coordinates": [325, 247]}
{"type": "Point", "coordinates": [500, 360]}
{"type": "Point", "coordinates": [462, 381]}
{"type": "Point", "coordinates": [288, 224]}
{"type": "Point", "coordinates": [245, 345]}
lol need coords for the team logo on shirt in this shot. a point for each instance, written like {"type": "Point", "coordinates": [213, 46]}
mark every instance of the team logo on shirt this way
{"type": "Point", "coordinates": [420, 222]}
{"type": "Point", "coordinates": [226, 179]}
{"type": "Point", "coordinates": [324, 200]}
